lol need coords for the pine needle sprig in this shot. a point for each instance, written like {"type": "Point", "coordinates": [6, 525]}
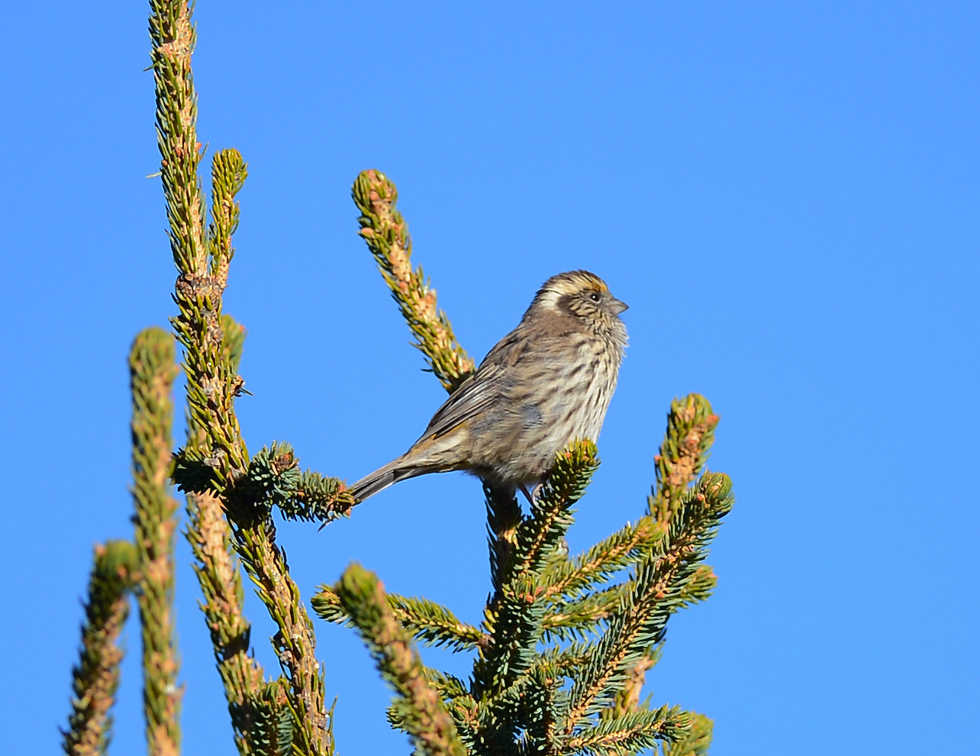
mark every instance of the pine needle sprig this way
{"type": "Point", "coordinates": [435, 625]}
{"type": "Point", "coordinates": [578, 618]}
{"type": "Point", "coordinates": [654, 596]}
{"type": "Point", "coordinates": [699, 588]}
{"type": "Point", "coordinates": [562, 661]}
{"type": "Point", "coordinates": [683, 454]}
{"type": "Point", "coordinates": [228, 174]}
{"type": "Point", "coordinates": [95, 677]}
{"type": "Point", "coordinates": [153, 368]}
{"type": "Point", "coordinates": [273, 480]}
{"type": "Point", "coordinates": [386, 233]}
{"type": "Point", "coordinates": [630, 733]}
{"type": "Point", "coordinates": [540, 535]}
{"type": "Point", "coordinates": [570, 578]}
{"type": "Point", "coordinates": [425, 717]}
{"type": "Point", "coordinates": [427, 621]}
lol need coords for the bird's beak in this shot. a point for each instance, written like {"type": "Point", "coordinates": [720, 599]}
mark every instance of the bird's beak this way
{"type": "Point", "coordinates": [616, 306]}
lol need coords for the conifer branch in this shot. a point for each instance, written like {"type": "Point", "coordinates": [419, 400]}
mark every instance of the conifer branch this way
{"type": "Point", "coordinates": [217, 571]}
{"type": "Point", "coordinates": [294, 642]}
{"type": "Point", "coordinates": [449, 686]}
{"type": "Point", "coordinates": [386, 233]}
{"type": "Point", "coordinates": [516, 691]}
{"type": "Point", "coordinates": [630, 733]}
{"type": "Point", "coordinates": [460, 704]}
{"type": "Point", "coordinates": [228, 173]}
{"type": "Point", "coordinates": [273, 479]}
{"type": "Point", "coordinates": [514, 617]}
{"type": "Point", "coordinates": [212, 382]}
{"type": "Point", "coordinates": [153, 368]}
{"type": "Point", "coordinates": [426, 620]}
{"type": "Point", "coordinates": [207, 531]}
{"type": "Point", "coordinates": [570, 578]}
{"type": "Point", "coordinates": [683, 454]}
{"type": "Point", "coordinates": [96, 676]}
{"type": "Point", "coordinates": [539, 536]}
{"type": "Point", "coordinates": [435, 625]}
{"type": "Point", "coordinates": [173, 38]}
{"type": "Point", "coordinates": [698, 588]}
{"type": "Point", "coordinates": [560, 661]}
{"type": "Point", "coordinates": [654, 596]}
{"type": "Point", "coordinates": [577, 618]}
{"type": "Point", "coordinates": [427, 721]}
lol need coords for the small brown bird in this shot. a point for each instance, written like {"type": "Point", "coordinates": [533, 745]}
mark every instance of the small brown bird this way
{"type": "Point", "coordinates": [546, 383]}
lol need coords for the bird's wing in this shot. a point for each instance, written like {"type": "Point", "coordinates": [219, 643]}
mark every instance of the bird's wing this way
{"type": "Point", "coordinates": [487, 387]}
{"type": "Point", "coordinates": [473, 397]}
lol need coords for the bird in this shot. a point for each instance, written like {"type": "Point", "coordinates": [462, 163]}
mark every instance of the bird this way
{"type": "Point", "coordinates": [546, 383]}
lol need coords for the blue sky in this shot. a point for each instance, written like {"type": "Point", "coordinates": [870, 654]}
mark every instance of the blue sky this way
{"type": "Point", "coordinates": [786, 195]}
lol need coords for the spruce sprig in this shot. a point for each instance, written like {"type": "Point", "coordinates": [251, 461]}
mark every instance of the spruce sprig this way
{"type": "Point", "coordinates": [95, 677]}
{"type": "Point", "coordinates": [153, 368]}
{"type": "Point", "coordinates": [515, 617]}
{"type": "Point", "coordinates": [385, 231]}
{"type": "Point", "coordinates": [655, 594]}
{"type": "Point", "coordinates": [425, 717]}
{"type": "Point", "coordinates": [427, 621]}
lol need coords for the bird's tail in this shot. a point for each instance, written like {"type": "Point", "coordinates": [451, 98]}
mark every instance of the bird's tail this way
{"type": "Point", "coordinates": [395, 471]}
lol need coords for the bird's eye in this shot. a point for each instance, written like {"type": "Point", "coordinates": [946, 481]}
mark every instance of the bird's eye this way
{"type": "Point", "coordinates": [594, 296]}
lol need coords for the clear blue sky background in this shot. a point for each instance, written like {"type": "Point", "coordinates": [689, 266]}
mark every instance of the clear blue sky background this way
{"type": "Point", "coordinates": [786, 194]}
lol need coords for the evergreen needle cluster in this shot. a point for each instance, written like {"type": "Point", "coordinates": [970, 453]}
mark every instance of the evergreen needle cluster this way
{"type": "Point", "coordinates": [532, 691]}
